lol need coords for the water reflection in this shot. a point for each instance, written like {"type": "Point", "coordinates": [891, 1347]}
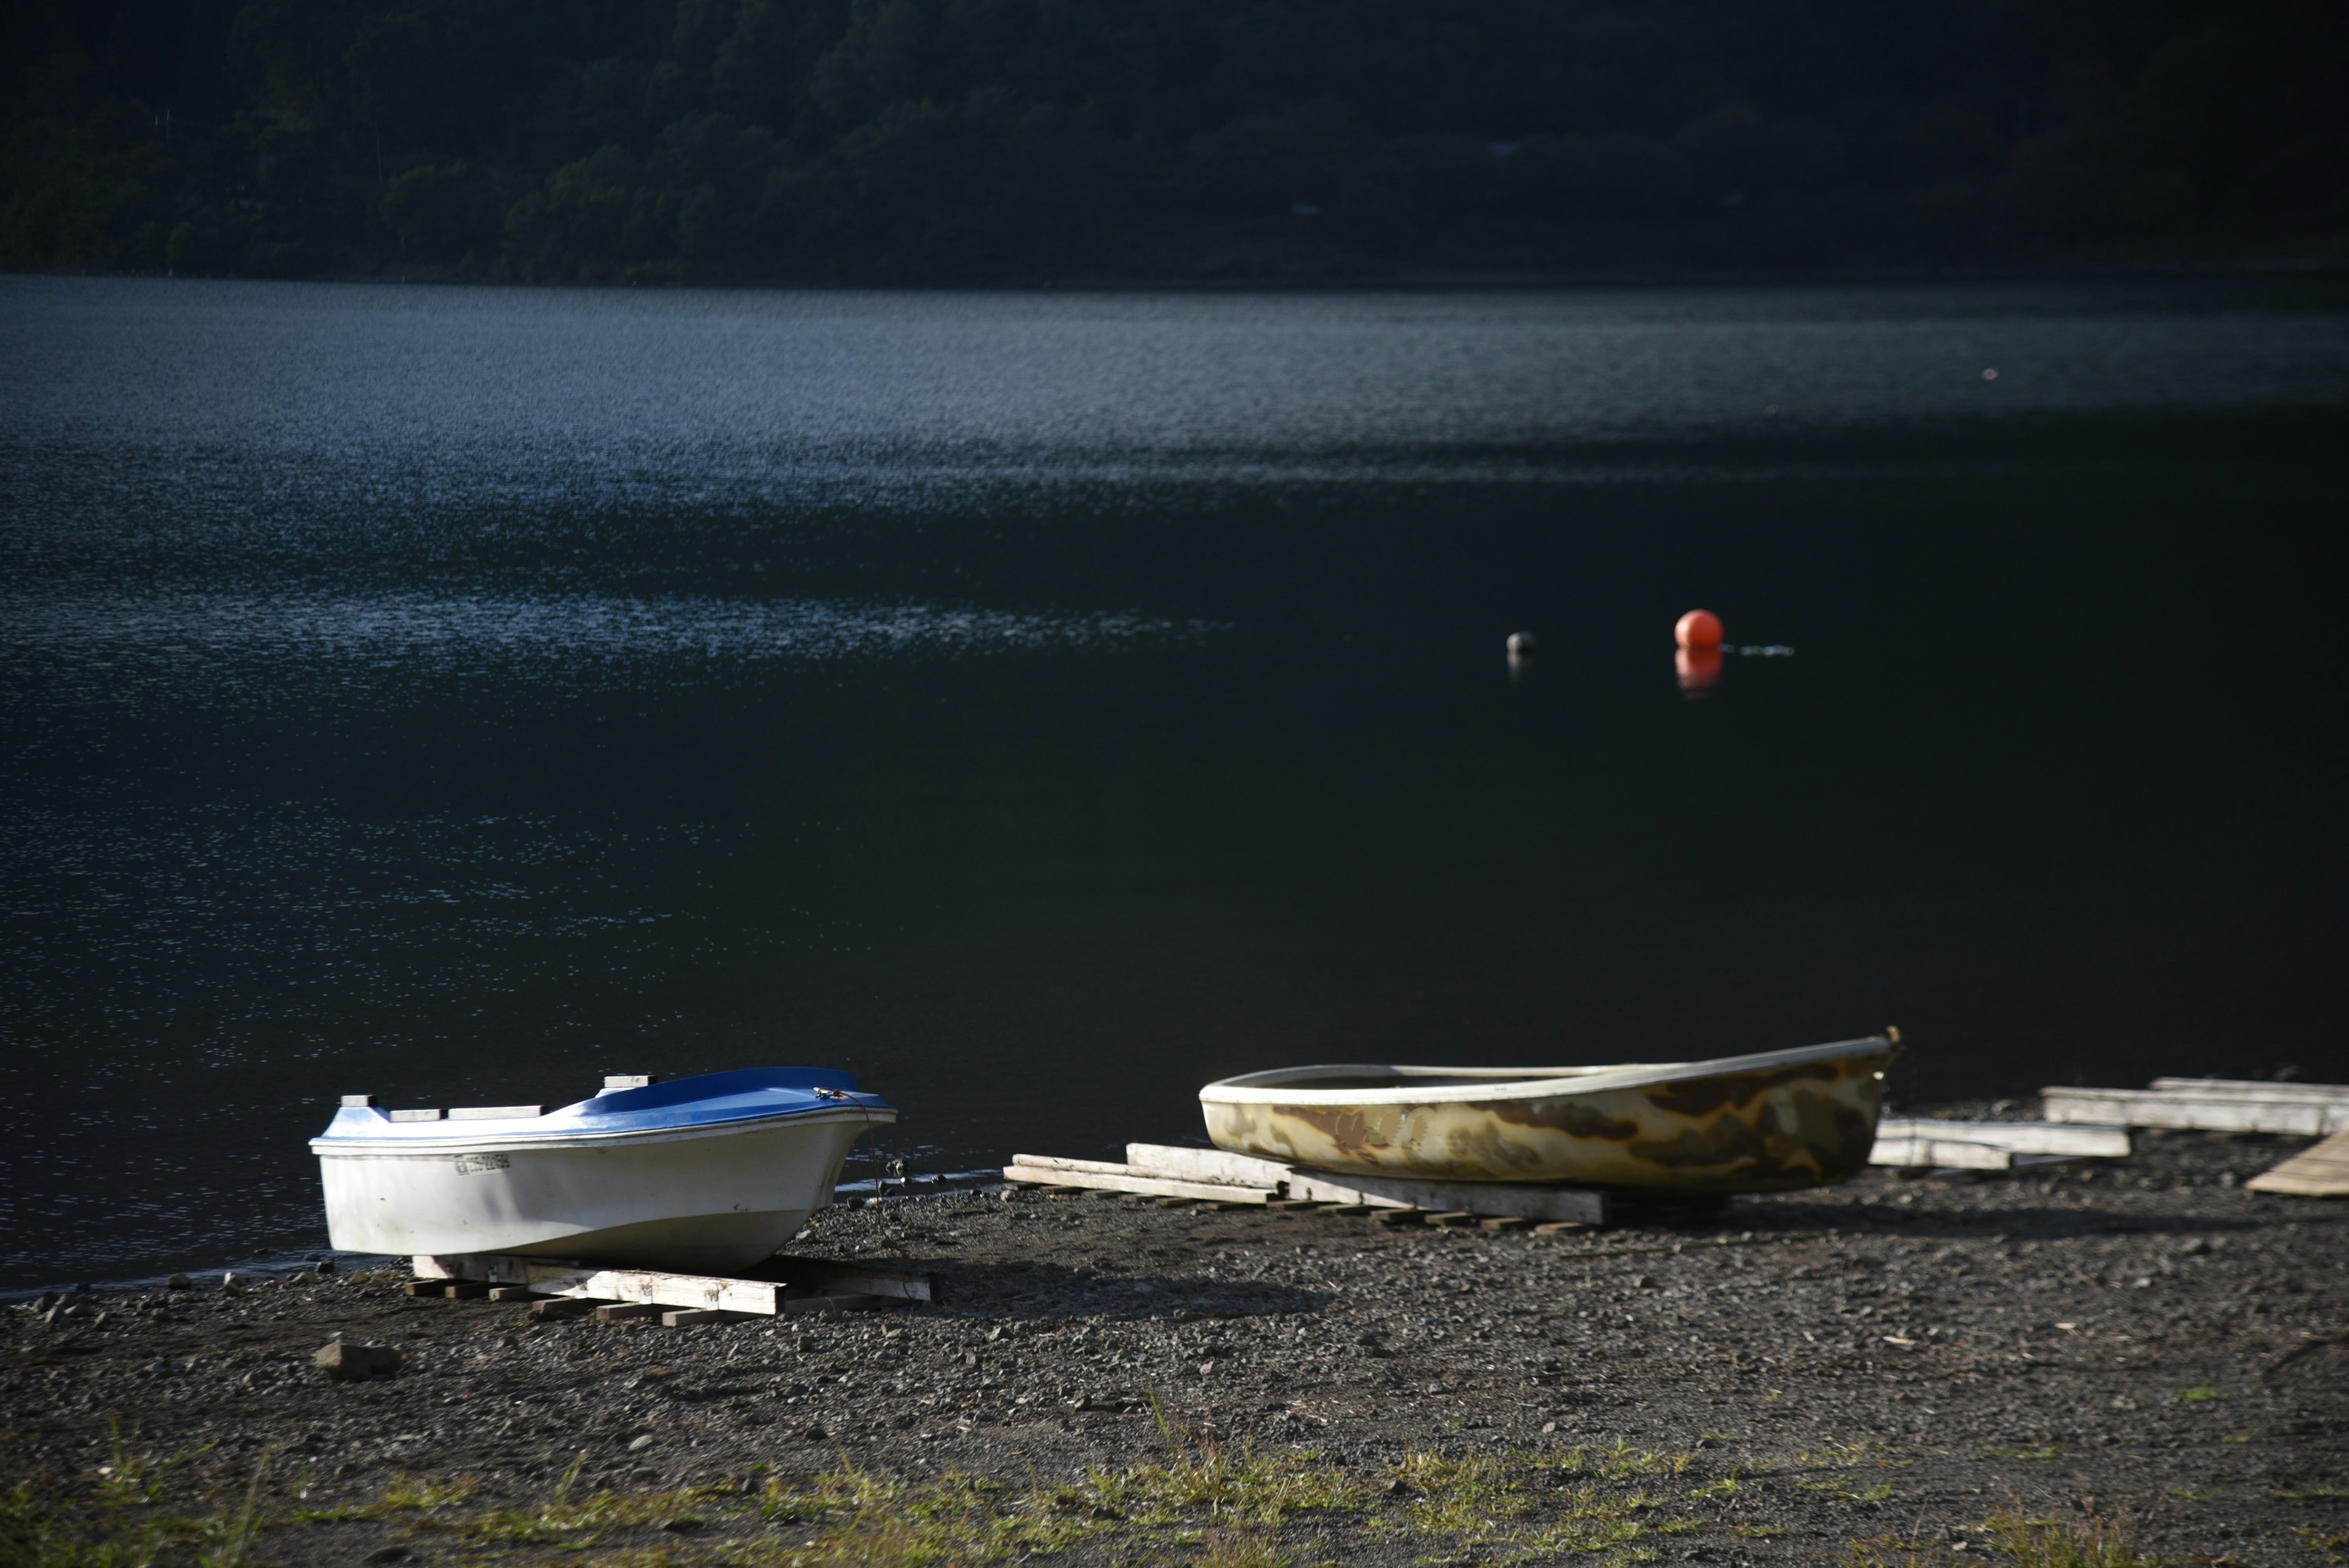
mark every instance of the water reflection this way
{"type": "Point", "coordinates": [1041, 705]}
{"type": "Point", "coordinates": [1699, 668]}
{"type": "Point", "coordinates": [434, 627]}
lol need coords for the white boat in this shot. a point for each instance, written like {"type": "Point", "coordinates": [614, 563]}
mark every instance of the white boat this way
{"type": "Point", "coordinates": [709, 1174]}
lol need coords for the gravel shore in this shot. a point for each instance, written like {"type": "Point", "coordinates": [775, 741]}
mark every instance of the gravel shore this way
{"type": "Point", "coordinates": [1893, 1362]}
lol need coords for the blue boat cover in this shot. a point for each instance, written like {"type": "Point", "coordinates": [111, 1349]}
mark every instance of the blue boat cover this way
{"type": "Point", "coordinates": [713, 1099]}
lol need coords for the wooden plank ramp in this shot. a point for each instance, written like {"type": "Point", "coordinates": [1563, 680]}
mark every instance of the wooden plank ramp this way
{"type": "Point", "coordinates": [1496, 1200]}
{"type": "Point", "coordinates": [1102, 1175]}
{"type": "Point", "coordinates": [1206, 1175]}
{"type": "Point", "coordinates": [2319, 1172]}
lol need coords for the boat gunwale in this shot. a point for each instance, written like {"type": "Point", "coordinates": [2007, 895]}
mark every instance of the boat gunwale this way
{"type": "Point", "coordinates": [1292, 1085]}
{"type": "Point", "coordinates": [328, 1145]}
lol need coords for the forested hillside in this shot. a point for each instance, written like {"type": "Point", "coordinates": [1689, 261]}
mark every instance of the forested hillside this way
{"type": "Point", "coordinates": [898, 141]}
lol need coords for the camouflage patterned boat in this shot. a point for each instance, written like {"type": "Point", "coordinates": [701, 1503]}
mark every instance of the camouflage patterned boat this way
{"type": "Point", "coordinates": [1768, 1123]}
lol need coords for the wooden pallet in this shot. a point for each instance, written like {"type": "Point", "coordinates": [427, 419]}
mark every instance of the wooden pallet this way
{"type": "Point", "coordinates": [2319, 1172]}
{"type": "Point", "coordinates": [792, 1286]}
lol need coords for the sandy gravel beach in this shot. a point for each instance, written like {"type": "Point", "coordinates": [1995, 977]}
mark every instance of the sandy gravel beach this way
{"type": "Point", "coordinates": [1906, 1368]}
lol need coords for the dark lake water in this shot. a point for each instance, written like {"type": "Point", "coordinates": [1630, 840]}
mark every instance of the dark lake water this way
{"type": "Point", "coordinates": [1040, 704]}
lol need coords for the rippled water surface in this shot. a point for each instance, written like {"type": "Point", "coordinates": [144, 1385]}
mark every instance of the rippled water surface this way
{"type": "Point", "coordinates": [1040, 704]}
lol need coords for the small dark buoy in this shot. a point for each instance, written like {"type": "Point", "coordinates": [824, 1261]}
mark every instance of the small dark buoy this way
{"type": "Point", "coordinates": [1521, 644]}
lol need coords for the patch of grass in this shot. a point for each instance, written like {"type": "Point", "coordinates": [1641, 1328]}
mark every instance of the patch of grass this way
{"type": "Point", "coordinates": [562, 1520]}
{"type": "Point", "coordinates": [407, 1491]}
{"type": "Point", "coordinates": [1624, 1462]}
{"type": "Point", "coordinates": [1756, 1532]}
{"type": "Point", "coordinates": [2202, 1392]}
{"type": "Point", "coordinates": [2088, 1542]}
{"type": "Point", "coordinates": [231, 1534]}
{"type": "Point", "coordinates": [1844, 1454]}
{"type": "Point", "coordinates": [1593, 1536]}
{"type": "Point", "coordinates": [856, 1517]}
{"type": "Point", "coordinates": [2335, 1547]}
{"type": "Point", "coordinates": [1231, 1550]}
{"type": "Point", "coordinates": [133, 1479]}
{"type": "Point", "coordinates": [964, 1518]}
{"type": "Point", "coordinates": [1243, 1485]}
{"type": "Point", "coordinates": [1467, 1498]}
{"type": "Point", "coordinates": [1200, 1501]}
{"type": "Point", "coordinates": [1886, 1552]}
{"type": "Point", "coordinates": [405, 1494]}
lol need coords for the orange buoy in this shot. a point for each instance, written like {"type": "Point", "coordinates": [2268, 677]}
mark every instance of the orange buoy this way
{"type": "Point", "coordinates": [1698, 629]}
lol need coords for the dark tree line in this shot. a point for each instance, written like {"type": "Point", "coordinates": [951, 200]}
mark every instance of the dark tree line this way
{"type": "Point", "coordinates": [916, 139]}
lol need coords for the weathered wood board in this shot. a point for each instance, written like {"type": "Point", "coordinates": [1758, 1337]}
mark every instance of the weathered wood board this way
{"type": "Point", "coordinates": [639, 1286]}
{"type": "Point", "coordinates": [1504, 1199]}
{"type": "Point", "coordinates": [1044, 1172]}
{"type": "Point", "coordinates": [1205, 1165]}
{"type": "Point", "coordinates": [2198, 1111]}
{"type": "Point", "coordinates": [1076, 1166]}
{"type": "Point", "coordinates": [2257, 1087]}
{"type": "Point", "coordinates": [819, 1283]}
{"type": "Point", "coordinates": [2319, 1172]}
{"type": "Point", "coordinates": [1942, 1154]}
{"type": "Point", "coordinates": [828, 1276]}
{"type": "Point", "coordinates": [2017, 1137]}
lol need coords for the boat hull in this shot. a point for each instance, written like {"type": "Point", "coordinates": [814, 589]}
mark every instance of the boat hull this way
{"type": "Point", "coordinates": [713, 1199]}
{"type": "Point", "coordinates": [1764, 1124]}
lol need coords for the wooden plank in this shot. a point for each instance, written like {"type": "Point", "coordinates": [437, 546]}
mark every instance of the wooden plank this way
{"type": "Point", "coordinates": [2020, 1137]}
{"type": "Point", "coordinates": [647, 1287]}
{"type": "Point", "coordinates": [626, 1311]}
{"type": "Point", "coordinates": [640, 1287]}
{"type": "Point", "coordinates": [2205, 1113]}
{"type": "Point", "coordinates": [1158, 1186]}
{"type": "Point", "coordinates": [1077, 1167]}
{"type": "Point", "coordinates": [1499, 1199]}
{"type": "Point", "coordinates": [798, 1305]}
{"type": "Point", "coordinates": [2258, 1088]}
{"type": "Point", "coordinates": [787, 1278]}
{"type": "Point", "coordinates": [1205, 1165]}
{"type": "Point", "coordinates": [828, 1276]}
{"type": "Point", "coordinates": [1942, 1154]}
{"type": "Point", "coordinates": [2319, 1172]}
